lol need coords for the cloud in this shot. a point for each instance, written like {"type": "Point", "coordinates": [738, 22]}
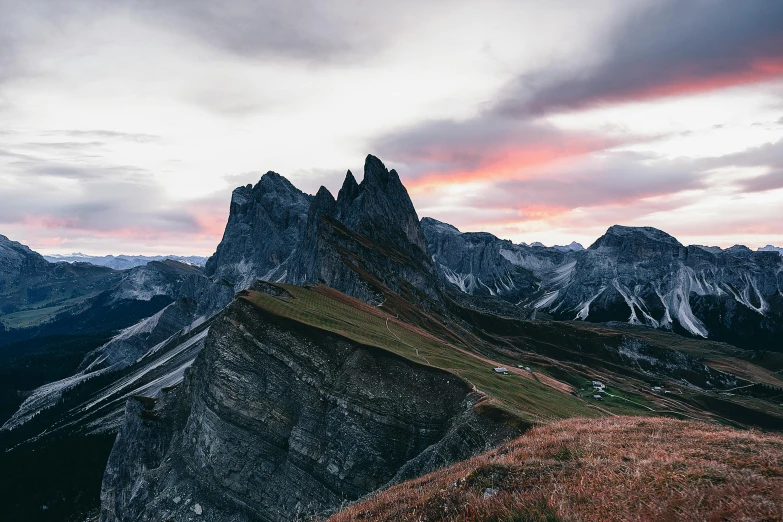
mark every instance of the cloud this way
{"type": "Point", "coordinates": [299, 29]}
{"type": "Point", "coordinates": [614, 179]}
{"type": "Point", "coordinates": [137, 137]}
{"type": "Point", "coordinates": [670, 48]}
{"type": "Point", "coordinates": [766, 155]}
{"type": "Point", "coordinates": [771, 181]}
{"type": "Point", "coordinates": [484, 148]}
{"type": "Point", "coordinates": [306, 30]}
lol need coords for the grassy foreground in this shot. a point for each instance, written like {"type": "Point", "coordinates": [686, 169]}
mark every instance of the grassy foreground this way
{"type": "Point", "coordinates": [621, 468]}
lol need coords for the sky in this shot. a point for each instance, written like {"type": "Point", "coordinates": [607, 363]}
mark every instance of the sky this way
{"type": "Point", "coordinates": [125, 125]}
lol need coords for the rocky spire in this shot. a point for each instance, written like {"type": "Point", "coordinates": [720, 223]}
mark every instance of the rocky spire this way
{"type": "Point", "coordinates": [265, 224]}
{"type": "Point", "coordinates": [383, 209]}
{"type": "Point", "coordinates": [348, 193]}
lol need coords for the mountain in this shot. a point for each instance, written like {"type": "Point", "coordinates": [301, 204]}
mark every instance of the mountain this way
{"type": "Point", "coordinates": [573, 246]}
{"type": "Point", "coordinates": [264, 238]}
{"type": "Point", "coordinates": [121, 262]}
{"type": "Point", "coordinates": [478, 263]}
{"type": "Point", "coordinates": [367, 359]}
{"type": "Point", "coordinates": [17, 260]}
{"type": "Point", "coordinates": [638, 275]}
{"type": "Point", "coordinates": [324, 414]}
{"type": "Point", "coordinates": [368, 243]}
{"type": "Point", "coordinates": [770, 248]}
{"type": "Point", "coordinates": [266, 223]}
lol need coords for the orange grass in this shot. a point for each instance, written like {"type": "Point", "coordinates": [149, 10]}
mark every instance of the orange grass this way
{"type": "Point", "coordinates": [619, 468]}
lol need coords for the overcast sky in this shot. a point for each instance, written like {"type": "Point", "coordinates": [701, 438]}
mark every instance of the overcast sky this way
{"type": "Point", "coordinates": [124, 125]}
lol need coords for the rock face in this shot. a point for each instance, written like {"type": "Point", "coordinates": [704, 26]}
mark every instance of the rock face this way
{"type": "Point", "coordinates": [17, 259]}
{"type": "Point", "coordinates": [366, 242]}
{"type": "Point", "coordinates": [265, 225]}
{"type": "Point", "coordinates": [278, 420]}
{"type": "Point", "coordinates": [639, 275]}
{"type": "Point", "coordinates": [480, 264]}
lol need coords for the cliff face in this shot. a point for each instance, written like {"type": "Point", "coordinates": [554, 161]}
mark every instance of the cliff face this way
{"type": "Point", "coordinates": [366, 242]}
{"type": "Point", "coordinates": [277, 419]}
{"type": "Point", "coordinates": [265, 225]}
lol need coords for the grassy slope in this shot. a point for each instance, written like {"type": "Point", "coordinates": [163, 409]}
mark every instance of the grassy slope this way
{"type": "Point", "coordinates": [761, 367]}
{"type": "Point", "coordinates": [571, 351]}
{"type": "Point", "coordinates": [44, 313]}
{"type": "Point", "coordinates": [532, 396]}
{"type": "Point", "coordinates": [623, 468]}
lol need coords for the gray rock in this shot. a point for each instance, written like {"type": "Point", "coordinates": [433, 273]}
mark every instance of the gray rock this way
{"type": "Point", "coordinates": [265, 225]}
{"type": "Point", "coordinates": [278, 420]}
{"type": "Point", "coordinates": [638, 275]}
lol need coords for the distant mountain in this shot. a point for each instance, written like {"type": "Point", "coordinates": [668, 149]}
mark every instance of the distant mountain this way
{"type": "Point", "coordinates": [571, 247]}
{"type": "Point", "coordinates": [770, 248]}
{"type": "Point", "coordinates": [121, 262]}
{"type": "Point", "coordinates": [638, 275]}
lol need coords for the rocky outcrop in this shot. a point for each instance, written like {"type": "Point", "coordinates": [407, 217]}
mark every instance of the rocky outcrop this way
{"type": "Point", "coordinates": [277, 420]}
{"type": "Point", "coordinates": [365, 243]}
{"type": "Point", "coordinates": [265, 225]}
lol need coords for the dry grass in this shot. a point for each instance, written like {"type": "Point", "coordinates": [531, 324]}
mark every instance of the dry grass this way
{"type": "Point", "coordinates": [621, 468]}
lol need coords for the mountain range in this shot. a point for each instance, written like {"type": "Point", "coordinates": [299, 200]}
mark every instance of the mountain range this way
{"type": "Point", "coordinates": [334, 347]}
{"type": "Point", "coordinates": [121, 262]}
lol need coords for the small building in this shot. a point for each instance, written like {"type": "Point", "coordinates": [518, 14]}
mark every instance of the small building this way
{"type": "Point", "coordinates": [501, 370]}
{"type": "Point", "coordinates": [597, 384]}
{"type": "Point", "coordinates": [527, 369]}
{"type": "Point", "coordinates": [598, 397]}
{"type": "Point", "coordinates": [657, 389]}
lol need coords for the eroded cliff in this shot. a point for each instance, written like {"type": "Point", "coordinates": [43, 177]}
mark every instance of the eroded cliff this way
{"type": "Point", "coordinates": [277, 419]}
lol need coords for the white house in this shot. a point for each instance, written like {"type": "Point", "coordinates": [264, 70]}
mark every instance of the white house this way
{"type": "Point", "coordinates": [502, 370]}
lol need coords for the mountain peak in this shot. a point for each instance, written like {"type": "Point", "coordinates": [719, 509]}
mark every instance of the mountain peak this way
{"type": "Point", "coordinates": [375, 172]}
{"type": "Point", "coordinates": [16, 258]}
{"type": "Point", "coordinates": [323, 204]}
{"type": "Point", "coordinates": [641, 233]}
{"type": "Point", "coordinates": [349, 191]}
{"type": "Point", "coordinates": [571, 247]}
{"type": "Point", "coordinates": [380, 207]}
{"type": "Point", "coordinates": [264, 225]}
{"type": "Point", "coordinates": [440, 226]}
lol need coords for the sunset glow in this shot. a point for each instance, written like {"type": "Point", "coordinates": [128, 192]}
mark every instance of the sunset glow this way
{"type": "Point", "coordinates": [126, 128]}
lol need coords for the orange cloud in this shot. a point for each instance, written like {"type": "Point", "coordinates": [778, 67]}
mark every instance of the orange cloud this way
{"type": "Point", "coordinates": [688, 82]}
{"type": "Point", "coordinates": [507, 161]}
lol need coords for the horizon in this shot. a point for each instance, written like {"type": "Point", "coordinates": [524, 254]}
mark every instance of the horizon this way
{"type": "Point", "coordinates": [583, 244]}
{"type": "Point", "coordinates": [127, 126]}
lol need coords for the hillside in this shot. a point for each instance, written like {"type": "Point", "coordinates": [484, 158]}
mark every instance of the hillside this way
{"type": "Point", "coordinates": [619, 468]}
